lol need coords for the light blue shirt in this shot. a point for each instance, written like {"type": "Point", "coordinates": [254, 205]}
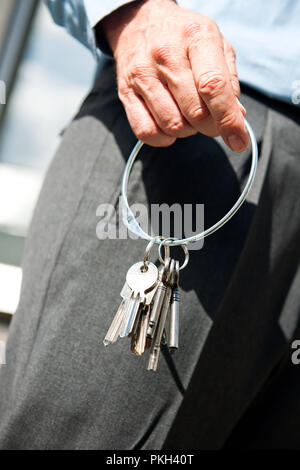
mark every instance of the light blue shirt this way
{"type": "Point", "coordinates": [265, 35]}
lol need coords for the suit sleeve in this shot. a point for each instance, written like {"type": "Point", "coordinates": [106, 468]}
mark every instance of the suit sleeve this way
{"type": "Point", "coordinates": [79, 17]}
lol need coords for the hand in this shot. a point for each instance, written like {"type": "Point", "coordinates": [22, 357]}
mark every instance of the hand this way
{"type": "Point", "coordinates": [176, 74]}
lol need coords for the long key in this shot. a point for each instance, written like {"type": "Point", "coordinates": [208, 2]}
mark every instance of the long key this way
{"type": "Point", "coordinates": [111, 335]}
{"type": "Point", "coordinates": [126, 294]}
{"type": "Point", "coordinates": [115, 327]}
{"type": "Point", "coordinates": [145, 303]}
{"type": "Point", "coordinates": [158, 300]}
{"type": "Point", "coordinates": [174, 313]}
{"type": "Point", "coordinates": [138, 343]}
{"type": "Point", "coordinates": [143, 332]}
{"type": "Point", "coordinates": [135, 333]}
{"type": "Point", "coordinates": [155, 348]}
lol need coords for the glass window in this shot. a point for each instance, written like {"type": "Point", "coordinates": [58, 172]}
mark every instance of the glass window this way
{"type": "Point", "coordinates": [53, 77]}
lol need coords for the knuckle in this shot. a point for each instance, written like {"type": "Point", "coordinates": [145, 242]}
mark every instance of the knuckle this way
{"type": "Point", "coordinates": [196, 30]}
{"type": "Point", "coordinates": [211, 83]}
{"type": "Point", "coordinates": [206, 26]}
{"type": "Point", "coordinates": [161, 53]}
{"type": "Point", "coordinates": [229, 120]}
{"type": "Point", "coordinates": [174, 128]}
{"type": "Point", "coordinates": [198, 113]}
{"type": "Point", "coordinates": [209, 27]}
{"type": "Point", "coordinates": [145, 133]}
{"type": "Point", "coordinates": [192, 30]}
{"type": "Point", "coordinates": [139, 72]}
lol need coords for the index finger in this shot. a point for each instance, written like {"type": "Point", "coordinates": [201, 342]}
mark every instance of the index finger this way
{"type": "Point", "coordinates": [212, 78]}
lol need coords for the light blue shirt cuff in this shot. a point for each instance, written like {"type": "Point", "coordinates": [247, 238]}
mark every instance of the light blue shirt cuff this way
{"type": "Point", "coordinates": [96, 10]}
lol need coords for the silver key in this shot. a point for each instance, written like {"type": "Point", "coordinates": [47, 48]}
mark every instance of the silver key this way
{"type": "Point", "coordinates": [155, 348]}
{"type": "Point", "coordinates": [126, 293]}
{"type": "Point", "coordinates": [158, 300]}
{"type": "Point", "coordinates": [174, 312]}
{"type": "Point", "coordinates": [117, 325]}
{"type": "Point", "coordinates": [140, 282]}
{"type": "Point", "coordinates": [112, 334]}
{"type": "Point", "coordinates": [138, 342]}
{"type": "Point", "coordinates": [144, 303]}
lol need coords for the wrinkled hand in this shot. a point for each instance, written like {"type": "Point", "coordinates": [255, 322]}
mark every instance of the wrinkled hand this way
{"type": "Point", "coordinates": [176, 74]}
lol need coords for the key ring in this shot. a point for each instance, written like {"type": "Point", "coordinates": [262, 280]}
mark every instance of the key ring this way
{"type": "Point", "coordinates": [132, 224]}
{"type": "Point", "coordinates": [149, 248]}
{"type": "Point", "coordinates": [166, 245]}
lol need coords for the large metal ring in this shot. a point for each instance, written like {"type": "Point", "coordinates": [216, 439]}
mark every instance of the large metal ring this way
{"type": "Point", "coordinates": [132, 224]}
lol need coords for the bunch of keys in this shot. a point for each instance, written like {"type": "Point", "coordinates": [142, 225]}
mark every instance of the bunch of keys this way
{"type": "Point", "coordinates": [149, 296]}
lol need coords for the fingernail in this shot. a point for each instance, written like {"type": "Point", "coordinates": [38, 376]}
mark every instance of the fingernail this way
{"type": "Point", "coordinates": [236, 143]}
{"type": "Point", "coordinates": [241, 106]}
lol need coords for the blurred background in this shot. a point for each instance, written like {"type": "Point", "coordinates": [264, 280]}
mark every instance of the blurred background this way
{"type": "Point", "coordinates": [45, 75]}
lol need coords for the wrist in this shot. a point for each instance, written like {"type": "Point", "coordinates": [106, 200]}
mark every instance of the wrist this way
{"type": "Point", "coordinates": [112, 26]}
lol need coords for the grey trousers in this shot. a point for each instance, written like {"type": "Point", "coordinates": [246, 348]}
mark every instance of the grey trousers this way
{"type": "Point", "coordinates": [232, 384]}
